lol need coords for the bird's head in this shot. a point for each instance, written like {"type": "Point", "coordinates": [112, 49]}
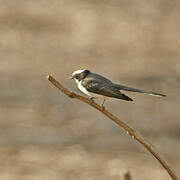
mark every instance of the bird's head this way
{"type": "Point", "coordinates": [80, 74]}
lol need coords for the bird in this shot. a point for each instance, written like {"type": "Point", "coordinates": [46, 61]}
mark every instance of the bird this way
{"type": "Point", "coordinates": [95, 85]}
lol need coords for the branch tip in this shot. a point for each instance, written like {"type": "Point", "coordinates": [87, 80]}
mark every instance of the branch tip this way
{"type": "Point", "coordinates": [47, 77]}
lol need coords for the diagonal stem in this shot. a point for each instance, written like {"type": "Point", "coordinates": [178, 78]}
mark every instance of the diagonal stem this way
{"type": "Point", "coordinates": [129, 130]}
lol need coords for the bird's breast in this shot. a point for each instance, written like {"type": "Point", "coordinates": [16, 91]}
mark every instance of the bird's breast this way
{"type": "Point", "coordinates": [83, 89]}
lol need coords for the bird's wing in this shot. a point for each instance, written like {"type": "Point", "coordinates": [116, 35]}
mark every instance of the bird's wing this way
{"type": "Point", "coordinates": [103, 88]}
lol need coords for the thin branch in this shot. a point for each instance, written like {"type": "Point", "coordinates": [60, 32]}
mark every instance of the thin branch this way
{"type": "Point", "coordinates": [129, 130]}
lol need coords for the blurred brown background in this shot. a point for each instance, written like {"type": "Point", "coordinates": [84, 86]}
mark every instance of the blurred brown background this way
{"type": "Point", "coordinates": [45, 135]}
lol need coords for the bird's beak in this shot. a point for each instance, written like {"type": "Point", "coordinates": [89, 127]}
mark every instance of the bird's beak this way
{"type": "Point", "coordinates": [71, 77]}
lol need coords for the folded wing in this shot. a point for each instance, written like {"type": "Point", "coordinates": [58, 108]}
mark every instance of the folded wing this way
{"type": "Point", "coordinates": [105, 89]}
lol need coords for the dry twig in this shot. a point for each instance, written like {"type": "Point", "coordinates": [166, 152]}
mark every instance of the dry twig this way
{"type": "Point", "coordinates": [133, 133]}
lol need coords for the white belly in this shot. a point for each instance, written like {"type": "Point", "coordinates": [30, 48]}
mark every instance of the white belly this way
{"type": "Point", "coordinates": [83, 89]}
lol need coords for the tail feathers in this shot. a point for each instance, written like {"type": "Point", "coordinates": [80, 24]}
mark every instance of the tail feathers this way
{"type": "Point", "coordinates": [124, 88]}
{"type": "Point", "coordinates": [154, 93]}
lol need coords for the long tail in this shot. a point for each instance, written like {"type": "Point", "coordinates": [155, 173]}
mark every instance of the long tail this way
{"type": "Point", "coordinates": [124, 88]}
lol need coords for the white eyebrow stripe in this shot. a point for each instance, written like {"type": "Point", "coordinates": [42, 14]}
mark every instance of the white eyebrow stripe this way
{"type": "Point", "coordinates": [78, 71]}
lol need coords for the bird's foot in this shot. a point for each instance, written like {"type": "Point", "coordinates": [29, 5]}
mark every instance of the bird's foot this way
{"type": "Point", "coordinates": [102, 105]}
{"type": "Point", "coordinates": [92, 99]}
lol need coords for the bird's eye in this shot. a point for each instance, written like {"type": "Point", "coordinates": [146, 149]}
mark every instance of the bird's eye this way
{"type": "Point", "coordinates": [77, 76]}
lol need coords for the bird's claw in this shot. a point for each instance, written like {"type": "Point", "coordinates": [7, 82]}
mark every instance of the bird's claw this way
{"type": "Point", "coordinates": [103, 107]}
{"type": "Point", "coordinates": [92, 99]}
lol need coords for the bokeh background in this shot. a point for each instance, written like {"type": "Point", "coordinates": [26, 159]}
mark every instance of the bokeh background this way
{"type": "Point", "coordinates": [46, 135]}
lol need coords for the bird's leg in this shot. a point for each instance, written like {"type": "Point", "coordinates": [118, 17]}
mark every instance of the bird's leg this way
{"type": "Point", "coordinates": [103, 104]}
{"type": "Point", "coordinates": [92, 99]}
